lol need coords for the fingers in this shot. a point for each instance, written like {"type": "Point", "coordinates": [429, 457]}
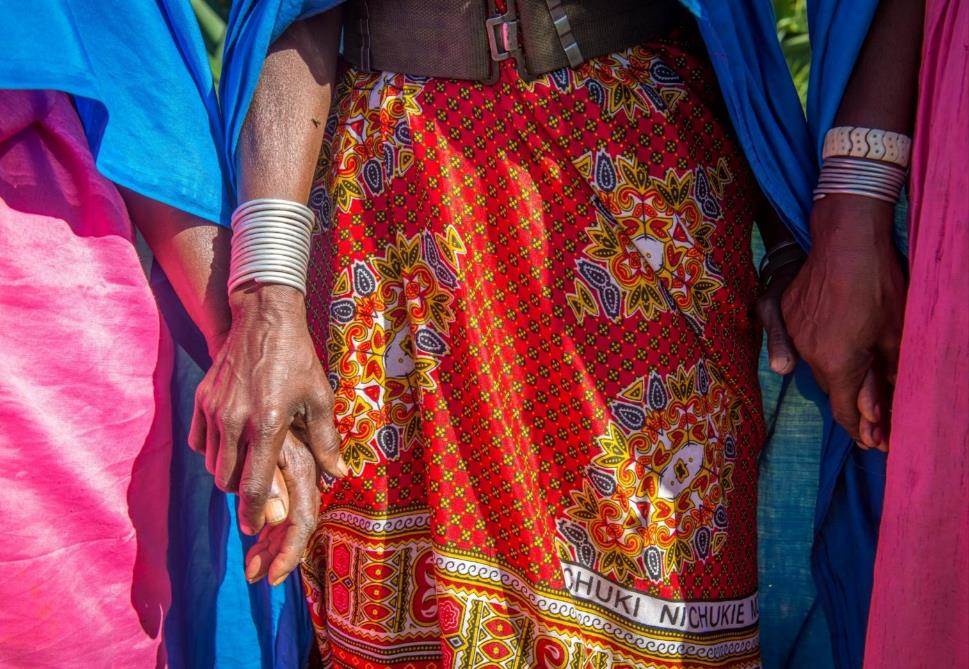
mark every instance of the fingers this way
{"type": "Point", "coordinates": [869, 410]}
{"type": "Point", "coordinates": [196, 433]}
{"type": "Point", "coordinates": [868, 404]}
{"type": "Point", "coordinates": [281, 547]}
{"type": "Point", "coordinates": [300, 476]}
{"type": "Point", "coordinates": [259, 556]}
{"type": "Point", "coordinates": [211, 449]}
{"type": "Point", "coordinates": [780, 349]}
{"type": "Point", "coordinates": [888, 348]}
{"type": "Point", "coordinates": [872, 398]}
{"type": "Point", "coordinates": [228, 461]}
{"type": "Point", "coordinates": [323, 438]}
{"type": "Point", "coordinates": [844, 410]}
{"type": "Point", "coordinates": [277, 508]}
{"type": "Point", "coordinates": [844, 381]}
{"type": "Point", "coordinates": [265, 439]}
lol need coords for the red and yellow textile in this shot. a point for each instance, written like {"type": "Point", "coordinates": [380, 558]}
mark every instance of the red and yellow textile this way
{"type": "Point", "coordinates": [533, 301]}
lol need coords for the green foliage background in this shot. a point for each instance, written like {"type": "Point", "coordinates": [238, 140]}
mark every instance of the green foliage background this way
{"type": "Point", "coordinates": [791, 31]}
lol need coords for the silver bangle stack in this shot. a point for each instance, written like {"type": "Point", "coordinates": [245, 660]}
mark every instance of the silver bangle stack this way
{"type": "Point", "coordinates": [271, 243]}
{"type": "Point", "coordinates": [858, 164]}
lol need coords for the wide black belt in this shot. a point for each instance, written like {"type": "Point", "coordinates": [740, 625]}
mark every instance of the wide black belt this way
{"type": "Point", "coordinates": [466, 39]}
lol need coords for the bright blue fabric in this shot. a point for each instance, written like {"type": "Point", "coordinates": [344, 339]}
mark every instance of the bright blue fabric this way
{"type": "Point", "coordinates": [741, 40]}
{"type": "Point", "coordinates": [142, 85]}
{"type": "Point", "coordinates": [784, 155]}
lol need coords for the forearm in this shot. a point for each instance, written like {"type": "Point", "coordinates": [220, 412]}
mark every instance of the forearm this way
{"type": "Point", "coordinates": [195, 256]}
{"type": "Point", "coordinates": [883, 86]}
{"type": "Point", "coordinates": [281, 139]}
{"type": "Point", "coordinates": [772, 230]}
{"type": "Point", "coordinates": [283, 131]}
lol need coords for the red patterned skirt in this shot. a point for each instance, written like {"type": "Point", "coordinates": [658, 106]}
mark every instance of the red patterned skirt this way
{"type": "Point", "coordinates": [533, 302]}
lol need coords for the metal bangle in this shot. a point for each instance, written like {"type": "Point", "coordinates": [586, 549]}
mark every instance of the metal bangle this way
{"type": "Point", "coordinates": [778, 250]}
{"type": "Point", "coordinates": [242, 241]}
{"type": "Point", "coordinates": [241, 261]}
{"type": "Point", "coordinates": [272, 201]}
{"type": "Point", "coordinates": [864, 164]}
{"type": "Point", "coordinates": [819, 195]}
{"type": "Point", "coordinates": [854, 183]}
{"type": "Point", "coordinates": [278, 217]}
{"type": "Point", "coordinates": [268, 204]}
{"type": "Point", "coordinates": [269, 237]}
{"type": "Point", "coordinates": [843, 172]}
{"type": "Point", "coordinates": [768, 273]}
{"type": "Point", "coordinates": [274, 219]}
{"type": "Point", "coordinates": [264, 210]}
{"type": "Point", "coordinates": [267, 278]}
{"type": "Point", "coordinates": [238, 254]}
{"type": "Point", "coordinates": [272, 245]}
{"type": "Point", "coordinates": [269, 267]}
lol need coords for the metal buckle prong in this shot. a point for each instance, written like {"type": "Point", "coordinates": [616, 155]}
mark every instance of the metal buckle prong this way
{"type": "Point", "coordinates": [505, 25]}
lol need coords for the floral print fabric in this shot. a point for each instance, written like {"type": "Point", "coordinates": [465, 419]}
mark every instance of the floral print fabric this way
{"type": "Point", "coordinates": [533, 303]}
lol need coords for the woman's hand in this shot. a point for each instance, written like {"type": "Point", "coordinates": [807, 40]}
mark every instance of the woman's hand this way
{"type": "Point", "coordinates": [265, 380]}
{"type": "Point", "coordinates": [844, 310]}
{"type": "Point", "coordinates": [780, 351]}
{"type": "Point", "coordinates": [282, 542]}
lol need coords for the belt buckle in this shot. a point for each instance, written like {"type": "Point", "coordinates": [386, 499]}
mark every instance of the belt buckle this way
{"type": "Point", "coordinates": [504, 40]}
{"type": "Point", "coordinates": [503, 35]}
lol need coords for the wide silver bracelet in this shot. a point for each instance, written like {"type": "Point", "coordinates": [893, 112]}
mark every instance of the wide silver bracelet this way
{"type": "Point", "coordinates": [849, 175]}
{"type": "Point", "coordinates": [271, 243]}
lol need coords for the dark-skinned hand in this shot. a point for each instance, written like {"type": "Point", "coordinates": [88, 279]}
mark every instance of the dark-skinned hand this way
{"type": "Point", "coordinates": [265, 380]}
{"type": "Point", "coordinates": [844, 311]}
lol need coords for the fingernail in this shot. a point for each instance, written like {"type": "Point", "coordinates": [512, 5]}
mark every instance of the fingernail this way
{"type": "Point", "coordinates": [280, 580]}
{"type": "Point", "coordinates": [781, 365]}
{"type": "Point", "coordinates": [252, 572]}
{"type": "Point", "coordinates": [342, 467]}
{"type": "Point", "coordinates": [275, 511]}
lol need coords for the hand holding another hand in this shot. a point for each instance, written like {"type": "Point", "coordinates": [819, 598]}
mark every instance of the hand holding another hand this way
{"type": "Point", "coordinates": [264, 381]}
{"type": "Point", "coordinates": [844, 311]}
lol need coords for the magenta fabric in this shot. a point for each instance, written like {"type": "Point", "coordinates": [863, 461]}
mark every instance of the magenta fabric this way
{"type": "Point", "coordinates": [920, 606]}
{"type": "Point", "coordinates": [85, 427]}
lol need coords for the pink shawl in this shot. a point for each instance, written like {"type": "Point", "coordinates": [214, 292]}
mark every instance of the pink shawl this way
{"type": "Point", "coordinates": [920, 606]}
{"type": "Point", "coordinates": [84, 419]}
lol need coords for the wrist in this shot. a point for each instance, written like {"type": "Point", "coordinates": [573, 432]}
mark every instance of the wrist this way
{"type": "Point", "coordinates": [842, 216]}
{"type": "Point", "coordinates": [266, 302]}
